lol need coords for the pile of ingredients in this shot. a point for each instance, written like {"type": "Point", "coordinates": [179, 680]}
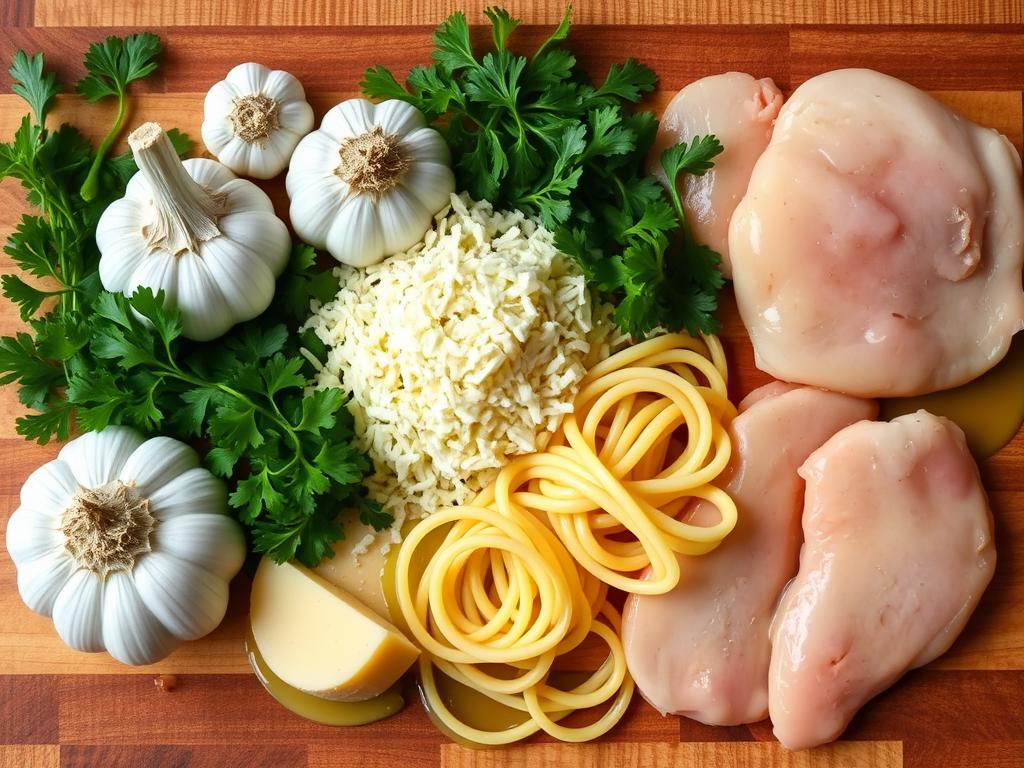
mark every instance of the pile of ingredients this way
{"type": "Point", "coordinates": [497, 437]}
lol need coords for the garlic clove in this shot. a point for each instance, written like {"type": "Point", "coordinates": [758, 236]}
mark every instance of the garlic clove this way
{"type": "Point", "coordinates": [403, 219]}
{"type": "Point", "coordinates": [216, 136]}
{"type": "Point", "coordinates": [245, 280]}
{"type": "Point", "coordinates": [118, 233]}
{"type": "Point", "coordinates": [186, 599]}
{"type": "Point", "coordinates": [157, 271]}
{"type": "Point", "coordinates": [356, 237]}
{"type": "Point", "coordinates": [432, 183]}
{"type": "Point", "coordinates": [248, 78]}
{"type": "Point", "coordinates": [211, 541]}
{"type": "Point", "coordinates": [236, 153]}
{"type": "Point", "coordinates": [131, 633]}
{"type": "Point", "coordinates": [33, 533]}
{"type": "Point", "coordinates": [78, 612]}
{"type": "Point", "coordinates": [156, 462]}
{"type": "Point", "coordinates": [285, 87]}
{"type": "Point", "coordinates": [208, 173]}
{"type": "Point", "coordinates": [205, 312]}
{"type": "Point", "coordinates": [194, 492]}
{"type": "Point", "coordinates": [245, 197]}
{"type": "Point", "coordinates": [317, 153]}
{"type": "Point", "coordinates": [216, 108]}
{"type": "Point", "coordinates": [295, 117]}
{"type": "Point", "coordinates": [398, 117]}
{"type": "Point", "coordinates": [270, 233]}
{"type": "Point", "coordinates": [96, 458]}
{"type": "Point", "coordinates": [42, 579]}
{"type": "Point", "coordinates": [427, 146]}
{"type": "Point", "coordinates": [350, 118]}
{"type": "Point", "coordinates": [49, 487]}
{"type": "Point", "coordinates": [269, 159]}
{"type": "Point", "coordinates": [316, 207]}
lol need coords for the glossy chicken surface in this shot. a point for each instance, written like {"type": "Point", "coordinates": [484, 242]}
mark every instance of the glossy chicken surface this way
{"type": "Point", "coordinates": [702, 650]}
{"type": "Point", "coordinates": [897, 551]}
{"type": "Point", "coordinates": [740, 111]}
{"type": "Point", "coordinates": [879, 247]}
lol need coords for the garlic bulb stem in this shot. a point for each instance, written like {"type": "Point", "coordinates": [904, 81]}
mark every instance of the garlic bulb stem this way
{"type": "Point", "coordinates": [186, 213]}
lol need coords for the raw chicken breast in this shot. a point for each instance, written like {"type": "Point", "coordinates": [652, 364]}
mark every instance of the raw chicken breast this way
{"type": "Point", "coordinates": [702, 649]}
{"type": "Point", "coordinates": [897, 551]}
{"type": "Point", "coordinates": [740, 111]}
{"type": "Point", "coordinates": [878, 250]}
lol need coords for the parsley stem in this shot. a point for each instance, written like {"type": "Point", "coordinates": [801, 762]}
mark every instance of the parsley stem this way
{"type": "Point", "coordinates": [91, 185]}
{"type": "Point", "coordinates": [172, 369]}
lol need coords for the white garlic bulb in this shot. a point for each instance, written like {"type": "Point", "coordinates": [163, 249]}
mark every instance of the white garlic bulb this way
{"type": "Point", "coordinates": [368, 182]}
{"type": "Point", "coordinates": [126, 543]}
{"type": "Point", "coordinates": [209, 240]}
{"type": "Point", "coordinates": [253, 118]}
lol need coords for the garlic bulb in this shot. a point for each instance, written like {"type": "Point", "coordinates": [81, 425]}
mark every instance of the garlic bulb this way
{"type": "Point", "coordinates": [126, 543]}
{"type": "Point", "coordinates": [210, 240]}
{"type": "Point", "coordinates": [253, 118]}
{"type": "Point", "coordinates": [368, 182]}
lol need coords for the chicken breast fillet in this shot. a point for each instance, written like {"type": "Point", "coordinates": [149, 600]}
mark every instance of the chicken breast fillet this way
{"type": "Point", "coordinates": [897, 552]}
{"type": "Point", "coordinates": [702, 649]}
{"type": "Point", "coordinates": [879, 247]}
{"type": "Point", "coordinates": [740, 111]}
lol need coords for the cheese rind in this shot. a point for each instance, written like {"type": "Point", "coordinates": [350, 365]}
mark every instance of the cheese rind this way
{"type": "Point", "coordinates": [319, 639]}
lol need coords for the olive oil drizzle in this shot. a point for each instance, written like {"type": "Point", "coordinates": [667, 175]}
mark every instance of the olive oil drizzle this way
{"type": "Point", "coordinates": [319, 710]}
{"type": "Point", "coordinates": [990, 409]}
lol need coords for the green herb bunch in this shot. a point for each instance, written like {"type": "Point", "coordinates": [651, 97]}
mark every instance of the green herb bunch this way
{"type": "Point", "coordinates": [90, 358]}
{"type": "Point", "coordinates": [534, 134]}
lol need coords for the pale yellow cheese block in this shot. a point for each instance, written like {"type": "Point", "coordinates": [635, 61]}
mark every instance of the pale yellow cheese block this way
{"type": "Point", "coordinates": [362, 574]}
{"type": "Point", "coordinates": [318, 638]}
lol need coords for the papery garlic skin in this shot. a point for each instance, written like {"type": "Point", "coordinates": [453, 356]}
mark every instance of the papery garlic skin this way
{"type": "Point", "coordinates": [174, 590]}
{"type": "Point", "coordinates": [261, 148]}
{"type": "Point", "coordinates": [219, 265]}
{"type": "Point", "coordinates": [360, 219]}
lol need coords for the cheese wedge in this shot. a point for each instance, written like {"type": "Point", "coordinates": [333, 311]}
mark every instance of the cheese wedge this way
{"type": "Point", "coordinates": [361, 575]}
{"type": "Point", "coordinates": [319, 639]}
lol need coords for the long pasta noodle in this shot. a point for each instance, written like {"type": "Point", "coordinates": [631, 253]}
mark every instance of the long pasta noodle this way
{"type": "Point", "coordinates": [521, 576]}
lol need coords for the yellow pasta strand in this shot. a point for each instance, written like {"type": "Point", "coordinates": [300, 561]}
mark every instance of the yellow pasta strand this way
{"type": "Point", "coordinates": [502, 589]}
{"type": "Point", "coordinates": [522, 574]}
{"type": "Point", "coordinates": [616, 476]}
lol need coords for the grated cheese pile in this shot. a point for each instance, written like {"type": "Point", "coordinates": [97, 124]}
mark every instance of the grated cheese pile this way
{"type": "Point", "coordinates": [458, 354]}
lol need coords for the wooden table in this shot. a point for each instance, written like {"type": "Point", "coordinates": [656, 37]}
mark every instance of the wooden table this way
{"type": "Point", "coordinates": [63, 708]}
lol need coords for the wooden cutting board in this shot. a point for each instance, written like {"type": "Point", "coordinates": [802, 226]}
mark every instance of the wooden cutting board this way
{"type": "Point", "coordinates": [63, 708]}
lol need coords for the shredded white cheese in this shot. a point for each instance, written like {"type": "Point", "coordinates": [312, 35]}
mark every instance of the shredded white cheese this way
{"type": "Point", "coordinates": [459, 354]}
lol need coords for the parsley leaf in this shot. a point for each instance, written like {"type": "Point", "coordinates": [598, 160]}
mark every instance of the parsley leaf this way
{"type": "Point", "coordinates": [115, 62]}
{"type": "Point", "coordinates": [32, 84]}
{"type": "Point", "coordinates": [534, 134]}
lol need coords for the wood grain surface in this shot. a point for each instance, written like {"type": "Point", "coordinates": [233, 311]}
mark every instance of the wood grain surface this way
{"type": "Point", "coordinates": [62, 708]}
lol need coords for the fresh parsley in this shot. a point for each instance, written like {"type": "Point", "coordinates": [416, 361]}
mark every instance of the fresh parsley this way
{"type": "Point", "coordinates": [89, 358]}
{"type": "Point", "coordinates": [534, 134]}
{"type": "Point", "coordinates": [55, 246]}
{"type": "Point", "coordinates": [245, 394]}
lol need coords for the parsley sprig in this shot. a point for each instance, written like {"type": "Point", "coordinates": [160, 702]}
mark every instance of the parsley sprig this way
{"type": "Point", "coordinates": [111, 66]}
{"type": "Point", "coordinates": [89, 358]}
{"type": "Point", "coordinates": [534, 134]}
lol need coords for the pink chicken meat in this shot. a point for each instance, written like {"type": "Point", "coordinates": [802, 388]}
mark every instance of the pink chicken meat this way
{"type": "Point", "coordinates": [879, 247]}
{"type": "Point", "coordinates": [897, 551]}
{"type": "Point", "coordinates": [740, 111]}
{"type": "Point", "coordinates": [702, 649]}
